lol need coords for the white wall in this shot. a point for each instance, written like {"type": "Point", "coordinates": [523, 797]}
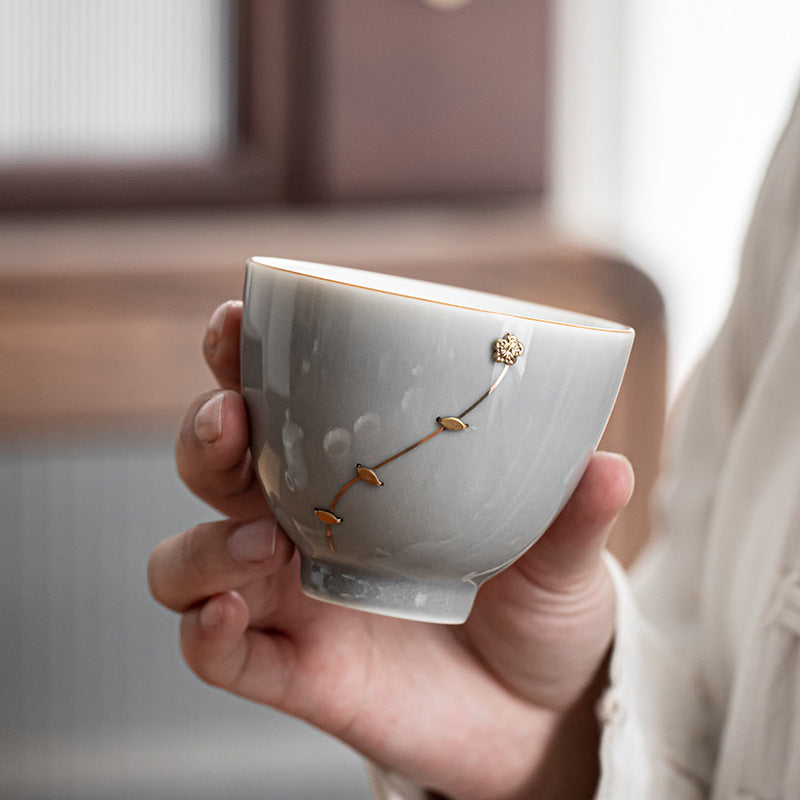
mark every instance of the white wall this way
{"type": "Point", "coordinates": [666, 115]}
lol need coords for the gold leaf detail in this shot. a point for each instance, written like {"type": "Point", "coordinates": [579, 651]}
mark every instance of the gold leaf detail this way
{"type": "Point", "coordinates": [328, 517]}
{"type": "Point", "coordinates": [368, 476]}
{"type": "Point", "coordinates": [507, 350]}
{"type": "Point", "coordinates": [452, 423]}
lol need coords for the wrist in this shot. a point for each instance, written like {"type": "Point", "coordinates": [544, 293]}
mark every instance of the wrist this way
{"type": "Point", "coordinates": [570, 768]}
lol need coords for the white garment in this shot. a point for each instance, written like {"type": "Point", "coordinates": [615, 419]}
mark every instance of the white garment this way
{"type": "Point", "coordinates": [704, 700]}
{"type": "Point", "coordinates": [705, 695]}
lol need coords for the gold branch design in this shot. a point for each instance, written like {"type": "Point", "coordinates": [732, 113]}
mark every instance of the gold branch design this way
{"type": "Point", "coordinates": [506, 351]}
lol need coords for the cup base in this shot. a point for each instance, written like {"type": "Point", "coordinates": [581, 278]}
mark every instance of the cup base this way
{"type": "Point", "coordinates": [445, 602]}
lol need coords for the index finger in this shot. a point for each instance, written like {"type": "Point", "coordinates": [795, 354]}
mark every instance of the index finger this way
{"type": "Point", "coordinates": [221, 344]}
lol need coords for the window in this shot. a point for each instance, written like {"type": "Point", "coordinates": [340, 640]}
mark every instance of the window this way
{"type": "Point", "coordinates": [107, 103]}
{"type": "Point", "coordinates": [113, 80]}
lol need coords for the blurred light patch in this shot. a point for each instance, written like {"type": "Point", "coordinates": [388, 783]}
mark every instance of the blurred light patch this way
{"type": "Point", "coordinates": [112, 79]}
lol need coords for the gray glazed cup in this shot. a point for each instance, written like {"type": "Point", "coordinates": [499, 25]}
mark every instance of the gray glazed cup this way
{"type": "Point", "coordinates": [414, 439]}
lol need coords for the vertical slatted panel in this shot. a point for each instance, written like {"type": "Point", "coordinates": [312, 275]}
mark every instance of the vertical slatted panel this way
{"type": "Point", "coordinates": [95, 699]}
{"type": "Point", "coordinates": [111, 78]}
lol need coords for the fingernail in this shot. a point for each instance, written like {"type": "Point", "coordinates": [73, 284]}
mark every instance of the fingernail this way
{"type": "Point", "coordinates": [208, 420]}
{"type": "Point", "coordinates": [211, 614]}
{"type": "Point", "coordinates": [253, 542]}
{"type": "Point", "coordinates": [215, 325]}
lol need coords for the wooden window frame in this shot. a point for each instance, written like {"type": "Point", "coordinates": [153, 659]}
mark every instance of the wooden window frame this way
{"type": "Point", "coordinates": [251, 171]}
{"type": "Point", "coordinates": [297, 137]}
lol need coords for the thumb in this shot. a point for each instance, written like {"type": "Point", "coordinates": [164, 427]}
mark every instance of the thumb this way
{"type": "Point", "coordinates": [571, 547]}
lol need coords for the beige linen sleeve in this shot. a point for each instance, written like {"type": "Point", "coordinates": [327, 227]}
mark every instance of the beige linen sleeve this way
{"type": "Point", "coordinates": [657, 738]}
{"type": "Point", "coordinates": [653, 741]}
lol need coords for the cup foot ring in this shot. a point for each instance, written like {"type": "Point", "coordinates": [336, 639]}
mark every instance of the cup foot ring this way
{"type": "Point", "coordinates": [425, 600]}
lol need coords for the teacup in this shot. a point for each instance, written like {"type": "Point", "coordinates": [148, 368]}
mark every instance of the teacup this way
{"type": "Point", "coordinates": [414, 439]}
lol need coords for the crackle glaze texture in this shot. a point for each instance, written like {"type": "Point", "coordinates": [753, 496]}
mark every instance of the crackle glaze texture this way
{"type": "Point", "coordinates": [343, 369]}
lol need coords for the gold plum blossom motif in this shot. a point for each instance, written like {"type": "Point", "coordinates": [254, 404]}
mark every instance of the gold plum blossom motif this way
{"type": "Point", "coordinates": [506, 351]}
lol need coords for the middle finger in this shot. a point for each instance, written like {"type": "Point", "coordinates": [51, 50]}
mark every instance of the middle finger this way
{"type": "Point", "coordinates": [213, 459]}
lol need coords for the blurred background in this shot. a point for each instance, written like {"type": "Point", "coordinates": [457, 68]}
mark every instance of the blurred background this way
{"type": "Point", "coordinates": [598, 154]}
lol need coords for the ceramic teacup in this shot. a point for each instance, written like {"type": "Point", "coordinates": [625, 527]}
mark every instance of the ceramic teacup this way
{"type": "Point", "coordinates": [414, 439]}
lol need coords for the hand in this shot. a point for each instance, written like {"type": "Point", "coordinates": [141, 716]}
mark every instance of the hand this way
{"type": "Point", "coordinates": [489, 709]}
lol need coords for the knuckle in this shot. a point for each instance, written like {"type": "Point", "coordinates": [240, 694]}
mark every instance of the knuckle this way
{"type": "Point", "coordinates": [192, 554]}
{"type": "Point", "coordinates": [201, 666]}
{"type": "Point", "coordinates": [204, 669]}
{"type": "Point", "coordinates": [177, 568]}
{"type": "Point", "coordinates": [206, 663]}
{"type": "Point", "coordinates": [237, 480]}
{"type": "Point", "coordinates": [184, 451]}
